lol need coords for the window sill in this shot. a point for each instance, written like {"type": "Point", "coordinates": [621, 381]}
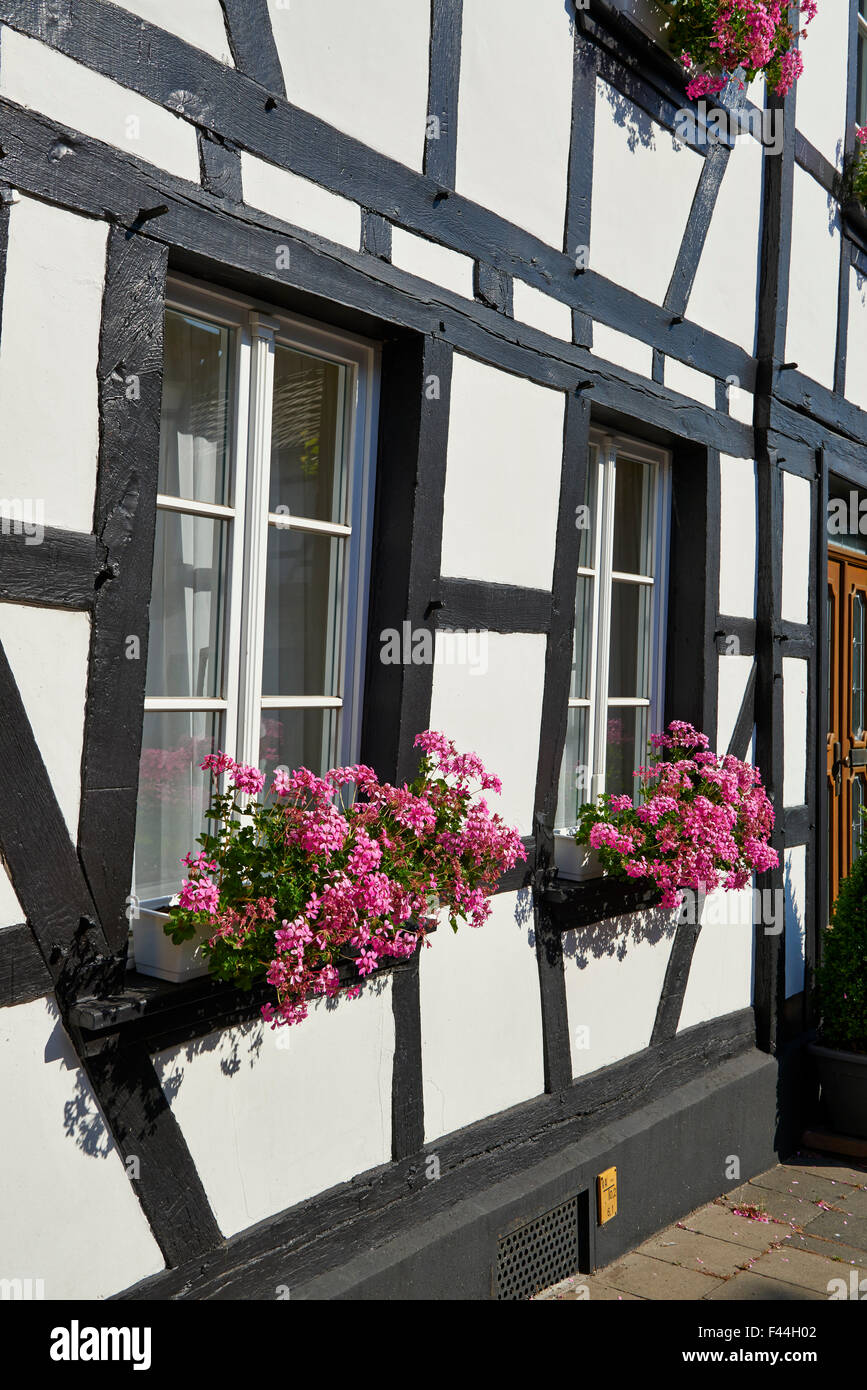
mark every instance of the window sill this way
{"type": "Point", "coordinates": [581, 903]}
{"type": "Point", "coordinates": [161, 1014]}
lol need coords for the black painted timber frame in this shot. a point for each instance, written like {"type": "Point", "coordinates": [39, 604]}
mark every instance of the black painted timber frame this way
{"type": "Point", "coordinates": [73, 940]}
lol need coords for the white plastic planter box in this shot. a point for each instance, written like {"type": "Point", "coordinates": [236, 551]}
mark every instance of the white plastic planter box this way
{"type": "Point", "coordinates": [575, 861]}
{"type": "Point", "coordinates": [156, 954]}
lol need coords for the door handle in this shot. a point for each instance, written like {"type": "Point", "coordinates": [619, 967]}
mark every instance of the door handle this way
{"type": "Point", "coordinates": [837, 769]}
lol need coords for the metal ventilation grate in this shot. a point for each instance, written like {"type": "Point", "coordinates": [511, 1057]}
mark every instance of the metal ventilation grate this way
{"type": "Point", "coordinates": [539, 1254]}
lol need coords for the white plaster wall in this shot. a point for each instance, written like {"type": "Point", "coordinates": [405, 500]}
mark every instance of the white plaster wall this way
{"type": "Point", "coordinates": [274, 1116]}
{"type": "Point", "coordinates": [623, 351]}
{"type": "Point", "coordinates": [724, 295]}
{"type": "Point", "coordinates": [614, 972]}
{"type": "Point", "coordinates": [811, 333]}
{"type": "Point", "coordinates": [737, 571]}
{"type": "Point", "coordinates": [11, 911]}
{"type": "Point", "coordinates": [721, 975]}
{"type": "Point", "coordinates": [741, 404]}
{"type": "Point", "coordinates": [493, 707]}
{"type": "Point", "coordinates": [362, 68]}
{"type": "Point", "coordinates": [481, 1023]}
{"type": "Point", "coordinates": [300, 201]}
{"type": "Point", "coordinates": [734, 672]}
{"type": "Point", "coordinates": [430, 261]}
{"type": "Point", "coordinates": [796, 548]}
{"type": "Point", "coordinates": [199, 22]}
{"type": "Point", "coordinates": [688, 382]}
{"type": "Point", "coordinates": [795, 889]}
{"type": "Point", "coordinates": [794, 731]}
{"type": "Point", "coordinates": [820, 111]}
{"type": "Point", "coordinates": [36, 76]}
{"type": "Point", "coordinates": [47, 650]}
{"type": "Point", "coordinates": [52, 305]}
{"type": "Point", "coordinates": [505, 454]}
{"type": "Point", "coordinates": [68, 1212]}
{"type": "Point", "coordinates": [856, 346]}
{"type": "Point", "coordinates": [515, 111]}
{"type": "Point", "coordinates": [638, 165]}
{"type": "Point", "coordinates": [541, 311]}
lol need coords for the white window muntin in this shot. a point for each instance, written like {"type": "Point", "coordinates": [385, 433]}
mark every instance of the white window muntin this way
{"type": "Point", "coordinates": [605, 449]}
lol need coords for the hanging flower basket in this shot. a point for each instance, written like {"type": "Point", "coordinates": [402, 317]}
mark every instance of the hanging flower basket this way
{"type": "Point", "coordinates": [702, 821]}
{"type": "Point", "coordinates": [714, 38]}
{"type": "Point", "coordinates": [337, 869]}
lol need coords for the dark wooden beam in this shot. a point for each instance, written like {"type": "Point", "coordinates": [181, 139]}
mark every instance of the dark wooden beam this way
{"type": "Point", "coordinates": [407, 1085]}
{"type": "Point", "coordinates": [670, 1005]}
{"type": "Point", "coordinates": [251, 40]}
{"type": "Point", "coordinates": [39, 855]}
{"type": "Point", "coordinates": [474, 605]}
{"type": "Point", "coordinates": [441, 144]}
{"type": "Point", "coordinates": [220, 166]}
{"type": "Point", "coordinates": [410, 486]}
{"type": "Point", "coordinates": [130, 349]}
{"type": "Point", "coordinates": [691, 678]}
{"type": "Point", "coordinates": [581, 154]}
{"type": "Point", "coordinates": [143, 1127]}
{"type": "Point", "coordinates": [60, 570]}
{"type": "Point", "coordinates": [24, 976]}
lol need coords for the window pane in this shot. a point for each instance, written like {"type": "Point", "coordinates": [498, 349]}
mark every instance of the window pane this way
{"type": "Point", "coordinates": [303, 613]}
{"type": "Point", "coordinates": [633, 517]}
{"type": "Point", "coordinates": [857, 820]}
{"type": "Point", "coordinates": [629, 660]}
{"type": "Point", "coordinates": [575, 787]}
{"type": "Point", "coordinates": [194, 434]}
{"type": "Point", "coordinates": [293, 738]}
{"type": "Point", "coordinates": [858, 665]}
{"type": "Point", "coordinates": [185, 647]}
{"type": "Point", "coordinates": [587, 520]}
{"type": "Point", "coordinates": [307, 449]}
{"type": "Point", "coordinates": [583, 639]}
{"type": "Point", "coordinates": [172, 797]}
{"type": "Point", "coordinates": [626, 747]}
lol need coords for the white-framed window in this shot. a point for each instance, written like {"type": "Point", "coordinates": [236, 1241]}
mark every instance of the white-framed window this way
{"type": "Point", "coordinates": [618, 658]}
{"type": "Point", "coordinates": [861, 95]}
{"type": "Point", "coordinates": [261, 558]}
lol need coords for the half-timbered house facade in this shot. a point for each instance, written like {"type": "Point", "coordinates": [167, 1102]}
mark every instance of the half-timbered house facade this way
{"type": "Point", "coordinates": [328, 326]}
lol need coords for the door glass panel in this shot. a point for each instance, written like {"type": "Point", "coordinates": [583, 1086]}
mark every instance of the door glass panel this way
{"type": "Point", "coordinates": [194, 431]}
{"type": "Point", "coordinates": [857, 819]}
{"type": "Point", "coordinates": [631, 638]}
{"type": "Point", "coordinates": [858, 665]}
{"type": "Point", "coordinates": [308, 477]}
{"type": "Point", "coordinates": [633, 517]}
{"type": "Point", "coordinates": [830, 621]}
{"type": "Point", "coordinates": [185, 647]}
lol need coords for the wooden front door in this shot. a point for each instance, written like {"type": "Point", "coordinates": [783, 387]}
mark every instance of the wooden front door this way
{"type": "Point", "coordinates": [847, 713]}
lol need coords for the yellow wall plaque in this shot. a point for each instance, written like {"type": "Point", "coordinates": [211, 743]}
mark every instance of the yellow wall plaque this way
{"type": "Point", "coordinates": [606, 1195]}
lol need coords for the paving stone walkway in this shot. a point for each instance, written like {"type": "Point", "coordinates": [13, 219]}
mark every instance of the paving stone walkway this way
{"type": "Point", "coordinates": [782, 1237]}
